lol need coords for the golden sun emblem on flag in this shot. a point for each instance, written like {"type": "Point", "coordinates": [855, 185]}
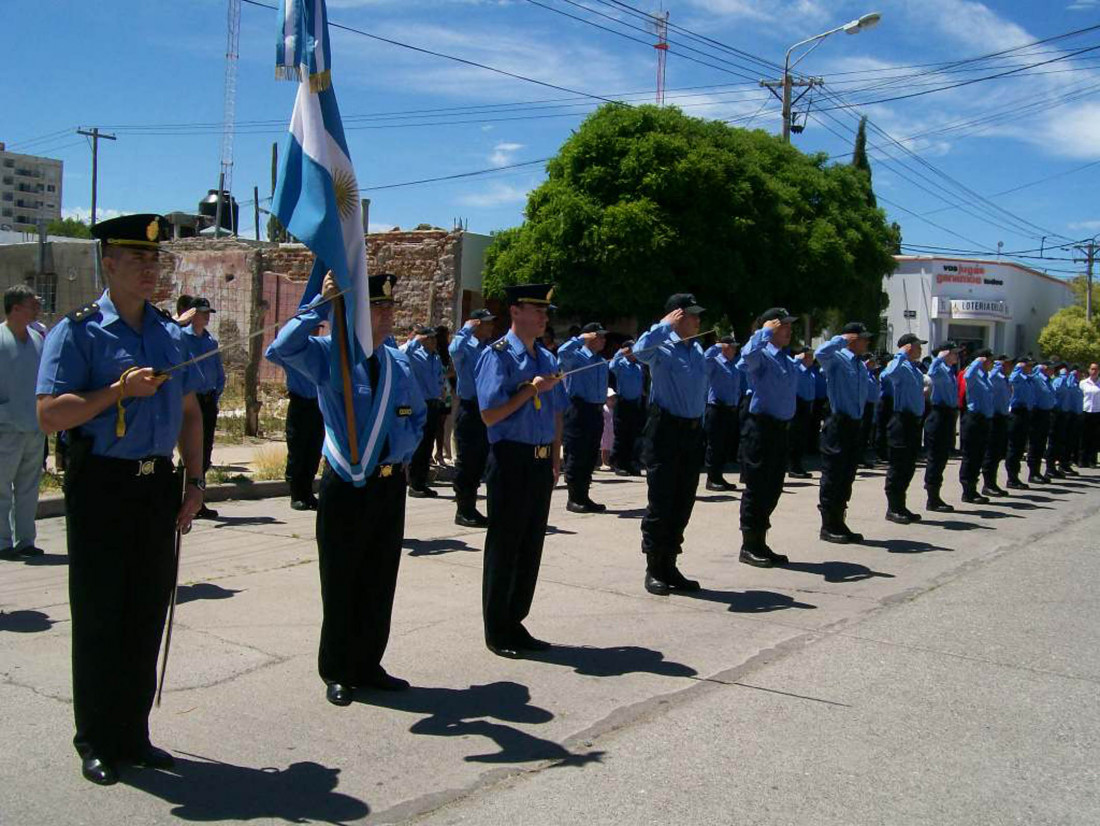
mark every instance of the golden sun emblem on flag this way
{"type": "Point", "coordinates": [346, 192]}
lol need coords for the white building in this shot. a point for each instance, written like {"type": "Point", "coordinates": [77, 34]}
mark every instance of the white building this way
{"type": "Point", "coordinates": [996, 304]}
{"type": "Point", "coordinates": [30, 191]}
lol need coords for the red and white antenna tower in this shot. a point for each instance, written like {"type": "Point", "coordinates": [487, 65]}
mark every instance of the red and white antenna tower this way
{"type": "Point", "coordinates": [660, 24]}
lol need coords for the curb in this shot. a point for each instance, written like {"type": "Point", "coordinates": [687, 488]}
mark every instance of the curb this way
{"type": "Point", "coordinates": [54, 505]}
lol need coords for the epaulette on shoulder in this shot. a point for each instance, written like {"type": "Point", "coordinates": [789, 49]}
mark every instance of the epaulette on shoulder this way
{"type": "Point", "coordinates": [500, 345]}
{"type": "Point", "coordinates": [83, 313]}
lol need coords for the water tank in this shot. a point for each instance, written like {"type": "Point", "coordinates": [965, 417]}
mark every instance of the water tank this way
{"type": "Point", "coordinates": [208, 206]}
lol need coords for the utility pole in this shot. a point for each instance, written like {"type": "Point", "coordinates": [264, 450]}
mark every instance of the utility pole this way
{"type": "Point", "coordinates": [786, 87]}
{"type": "Point", "coordinates": [1090, 255]}
{"type": "Point", "coordinates": [95, 135]}
{"type": "Point", "coordinates": [256, 209]}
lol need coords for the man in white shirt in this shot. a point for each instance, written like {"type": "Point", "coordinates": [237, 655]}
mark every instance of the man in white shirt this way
{"type": "Point", "coordinates": [21, 442]}
{"type": "Point", "coordinates": [1090, 387]}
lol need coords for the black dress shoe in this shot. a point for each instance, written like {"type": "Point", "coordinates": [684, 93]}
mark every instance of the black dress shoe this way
{"type": "Point", "coordinates": [678, 582]}
{"type": "Point", "coordinates": [508, 651]}
{"type": "Point", "coordinates": [622, 472]}
{"type": "Point", "coordinates": [530, 643]}
{"type": "Point", "coordinates": [756, 558]}
{"type": "Point", "coordinates": [1036, 479]}
{"type": "Point", "coordinates": [595, 507]}
{"type": "Point", "coordinates": [1054, 473]}
{"type": "Point", "coordinates": [153, 758]}
{"type": "Point", "coordinates": [853, 537]}
{"type": "Point", "coordinates": [836, 537]}
{"type": "Point", "coordinates": [339, 694]}
{"type": "Point", "coordinates": [1068, 471]}
{"type": "Point", "coordinates": [720, 485]}
{"type": "Point", "coordinates": [98, 771]}
{"type": "Point", "coordinates": [913, 517]}
{"type": "Point", "coordinates": [974, 499]}
{"type": "Point", "coordinates": [422, 493]}
{"type": "Point", "coordinates": [993, 490]}
{"type": "Point", "coordinates": [798, 474]}
{"type": "Point", "coordinates": [900, 517]}
{"type": "Point", "coordinates": [939, 506]}
{"type": "Point", "coordinates": [471, 520]}
{"type": "Point", "coordinates": [656, 585]}
{"type": "Point", "coordinates": [385, 682]}
{"type": "Point", "coordinates": [299, 505]}
{"type": "Point", "coordinates": [1016, 484]}
{"type": "Point", "coordinates": [585, 507]}
{"type": "Point", "coordinates": [206, 513]}
{"type": "Point", "coordinates": [29, 551]}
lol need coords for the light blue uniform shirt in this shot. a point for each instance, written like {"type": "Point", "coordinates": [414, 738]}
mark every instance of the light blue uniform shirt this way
{"type": "Point", "coordinates": [466, 348]}
{"type": "Point", "coordinates": [807, 380]}
{"type": "Point", "coordinates": [427, 369]}
{"type": "Point", "coordinates": [1002, 392]}
{"type": "Point", "coordinates": [906, 383]}
{"type": "Point", "coordinates": [590, 385]}
{"type": "Point", "coordinates": [629, 378]}
{"type": "Point", "coordinates": [1066, 392]}
{"type": "Point", "coordinates": [846, 375]}
{"type": "Point", "coordinates": [677, 369]}
{"type": "Point", "coordinates": [311, 356]}
{"type": "Point", "coordinates": [874, 387]}
{"type": "Point", "coordinates": [211, 371]}
{"type": "Point", "coordinates": [774, 380]}
{"type": "Point", "coordinates": [723, 378]}
{"type": "Point", "coordinates": [502, 368]}
{"type": "Point", "coordinates": [92, 353]}
{"type": "Point", "coordinates": [1023, 392]}
{"type": "Point", "coordinates": [1044, 393]}
{"type": "Point", "coordinates": [19, 362]}
{"type": "Point", "coordinates": [979, 392]}
{"type": "Point", "coordinates": [945, 390]}
{"type": "Point", "coordinates": [296, 383]}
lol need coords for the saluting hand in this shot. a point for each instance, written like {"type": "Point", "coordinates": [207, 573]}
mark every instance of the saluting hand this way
{"type": "Point", "coordinates": [773, 324]}
{"type": "Point", "coordinates": [473, 323]}
{"type": "Point", "coordinates": [674, 317]}
{"type": "Point", "coordinates": [186, 317]}
{"type": "Point", "coordinates": [142, 383]}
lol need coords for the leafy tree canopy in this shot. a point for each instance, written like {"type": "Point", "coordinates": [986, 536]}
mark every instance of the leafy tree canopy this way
{"type": "Point", "coordinates": [1068, 336]}
{"type": "Point", "coordinates": [68, 228]}
{"type": "Point", "coordinates": [642, 202]}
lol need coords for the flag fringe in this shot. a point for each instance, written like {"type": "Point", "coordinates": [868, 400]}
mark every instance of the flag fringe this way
{"type": "Point", "coordinates": [320, 81]}
{"type": "Point", "coordinates": [283, 72]}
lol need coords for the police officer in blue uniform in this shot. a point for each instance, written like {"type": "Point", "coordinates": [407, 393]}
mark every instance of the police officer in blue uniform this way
{"type": "Point", "coordinates": [196, 332]}
{"type": "Point", "coordinates": [361, 512]}
{"type": "Point", "coordinates": [102, 379]}
{"type": "Point", "coordinates": [976, 424]}
{"type": "Point", "coordinates": [672, 446]}
{"type": "Point", "coordinates": [305, 435]}
{"type": "Point", "coordinates": [629, 413]}
{"type": "Point", "coordinates": [1064, 386]}
{"type": "Point", "coordinates": [721, 420]}
{"type": "Point", "coordinates": [939, 427]}
{"type": "Point", "coordinates": [903, 431]}
{"type": "Point", "coordinates": [841, 359]}
{"type": "Point", "coordinates": [1019, 421]}
{"type": "Point", "coordinates": [428, 371]}
{"type": "Point", "coordinates": [997, 446]}
{"type": "Point", "coordinates": [1039, 433]}
{"type": "Point", "coordinates": [804, 418]}
{"type": "Point", "coordinates": [471, 438]}
{"type": "Point", "coordinates": [582, 424]}
{"type": "Point", "coordinates": [764, 432]}
{"type": "Point", "coordinates": [867, 427]}
{"type": "Point", "coordinates": [522, 400]}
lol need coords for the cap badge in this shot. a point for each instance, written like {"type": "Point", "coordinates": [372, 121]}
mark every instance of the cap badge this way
{"type": "Point", "coordinates": [152, 232]}
{"type": "Point", "coordinates": [387, 288]}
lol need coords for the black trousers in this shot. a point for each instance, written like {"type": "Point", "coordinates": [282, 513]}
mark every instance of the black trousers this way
{"type": "Point", "coordinates": [840, 455]}
{"type": "Point", "coordinates": [672, 450]}
{"type": "Point", "coordinates": [1076, 433]}
{"type": "Point", "coordinates": [1019, 429]}
{"type": "Point", "coordinates": [359, 534]}
{"type": "Point", "coordinates": [305, 435]}
{"type": "Point", "coordinates": [903, 433]}
{"type": "Point", "coordinates": [764, 448]}
{"type": "Point", "coordinates": [1037, 435]}
{"type": "Point", "coordinates": [720, 423]}
{"type": "Point", "coordinates": [472, 443]}
{"type": "Point", "coordinates": [939, 438]}
{"type": "Point", "coordinates": [628, 418]}
{"type": "Point", "coordinates": [883, 413]}
{"type": "Point", "coordinates": [819, 411]}
{"type": "Point", "coordinates": [1090, 438]}
{"type": "Point", "coordinates": [867, 430]}
{"type": "Point", "coordinates": [582, 428]}
{"type": "Point", "coordinates": [973, 439]}
{"type": "Point", "coordinates": [519, 487]}
{"type": "Point", "coordinates": [798, 431]}
{"type": "Point", "coordinates": [1057, 438]}
{"type": "Point", "coordinates": [120, 530]}
{"type": "Point", "coordinates": [997, 448]}
{"type": "Point", "coordinates": [418, 467]}
{"type": "Point", "coordinates": [208, 404]}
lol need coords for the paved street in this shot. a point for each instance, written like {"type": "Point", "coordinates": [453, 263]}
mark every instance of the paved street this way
{"type": "Point", "coordinates": [944, 672]}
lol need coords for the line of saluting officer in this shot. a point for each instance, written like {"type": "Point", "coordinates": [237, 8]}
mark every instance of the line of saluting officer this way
{"type": "Point", "coordinates": [114, 376]}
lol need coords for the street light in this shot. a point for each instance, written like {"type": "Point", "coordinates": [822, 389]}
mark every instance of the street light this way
{"type": "Point", "coordinates": [867, 21]}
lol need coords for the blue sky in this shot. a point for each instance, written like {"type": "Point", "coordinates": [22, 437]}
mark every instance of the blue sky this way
{"type": "Point", "coordinates": [152, 72]}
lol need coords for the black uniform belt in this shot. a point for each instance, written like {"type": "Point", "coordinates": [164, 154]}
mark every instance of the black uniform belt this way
{"type": "Point", "coordinates": [387, 471]}
{"type": "Point", "coordinates": [948, 408]}
{"type": "Point", "coordinates": [145, 468]}
{"type": "Point", "coordinates": [723, 405]}
{"type": "Point", "coordinates": [538, 452]}
{"type": "Point", "coordinates": [469, 404]}
{"type": "Point", "coordinates": [676, 421]}
{"type": "Point", "coordinates": [769, 421]}
{"type": "Point", "coordinates": [579, 400]}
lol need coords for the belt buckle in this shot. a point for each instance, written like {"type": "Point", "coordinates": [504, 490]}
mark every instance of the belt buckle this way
{"type": "Point", "coordinates": [542, 451]}
{"type": "Point", "coordinates": [146, 467]}
{"type": "Point", "coordinates": [385, 471]}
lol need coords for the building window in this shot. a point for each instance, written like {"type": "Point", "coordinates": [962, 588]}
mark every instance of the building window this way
{"type": "Point", "coordinates": [7, 196]}
{"type": "Point", "coordinates": [45, 285]}
{"type": "Point", "coordinates": [6, 213]}
{"type": "Point", "coordinates": [9, 180]}
{"type": "Point", "coordinates": [9, 163]}
{"type": "Point", "coordinates": [51, 188]}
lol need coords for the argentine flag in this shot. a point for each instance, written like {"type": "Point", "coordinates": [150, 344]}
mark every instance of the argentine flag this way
{"type": "Point", "coordinates": [317, 196]}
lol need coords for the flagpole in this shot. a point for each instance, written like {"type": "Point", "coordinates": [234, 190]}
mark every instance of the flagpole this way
{"type": "Point", "coordinates": [345, 372]}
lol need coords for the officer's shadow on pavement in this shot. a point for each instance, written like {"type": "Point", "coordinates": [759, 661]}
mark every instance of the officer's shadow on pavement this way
{"type": "Point", "coordinates": [203, 590]}
{"type": "Point", "coordinates": [615, 661]}
{"type": "Point", "coordinates": [47, 560]}
{"type": "Point", "coordinates": [25, 622]}
{"type": "Point", "coordinates": [904, 546]}
{"type": "Point", "coordinates": [837, 571]}
{"type": "Point", "coordinates": [206, 790]}
{"type": "Point", "coordinates": [244, 521]}
{"type": "Point", "coordinates": [483, 711]}
{"type": "Point", "coordinates": [957, 525]}
{"type": "Point", "coordinates": [551, 530]}
{"type": "Point", "coordinates": [984, 513]}
{"type": "Point", "coordinates": [435, 547]}
{"type": "Point", "coordinates": [749, 602]}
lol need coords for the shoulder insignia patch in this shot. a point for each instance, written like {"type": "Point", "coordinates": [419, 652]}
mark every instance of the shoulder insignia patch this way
{"type": "Point", "coordinates": [83, 313]}
{"type": "Point", "coordinates": [501, 345]}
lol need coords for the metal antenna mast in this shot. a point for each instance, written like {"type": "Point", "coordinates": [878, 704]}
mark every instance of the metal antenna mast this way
{"type": "Point", "coordinates": [660, 25]}
{"type": "Point", "coordinates": [229, 113]}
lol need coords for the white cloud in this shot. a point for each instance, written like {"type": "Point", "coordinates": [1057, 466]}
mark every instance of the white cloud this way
{"type": "Point", "coordinates": [381, 226]}
{"type": "Point", "coordinates": [85, 213]}
{"type": "Point", "coordinates": [496, 195]}
{"type": "Point", "coordinates": [504, 153]}
{"type": "Point", "coordinates": [1088, 226]}
{"type": "Point", "coordinates": [1083, 5]}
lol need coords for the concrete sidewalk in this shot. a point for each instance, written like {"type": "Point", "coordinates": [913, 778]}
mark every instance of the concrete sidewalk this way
{"type": "Point", "coordinates": [245, 709]}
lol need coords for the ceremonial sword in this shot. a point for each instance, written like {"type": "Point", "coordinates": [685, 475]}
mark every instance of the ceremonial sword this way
{"type": "Point", "coordinates": [172, 603]}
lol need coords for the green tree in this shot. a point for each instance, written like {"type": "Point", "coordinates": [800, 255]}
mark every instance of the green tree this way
{"type": "Point", "coordinates": [1070, 337]}
{"type": "Point", "coordinates": [68, 228]}
{"type": "Point", "coordinates": [642, 202]}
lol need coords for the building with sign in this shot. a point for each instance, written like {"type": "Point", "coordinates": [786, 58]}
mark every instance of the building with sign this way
{"type": "Point", "coordinates": [997, 304]}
